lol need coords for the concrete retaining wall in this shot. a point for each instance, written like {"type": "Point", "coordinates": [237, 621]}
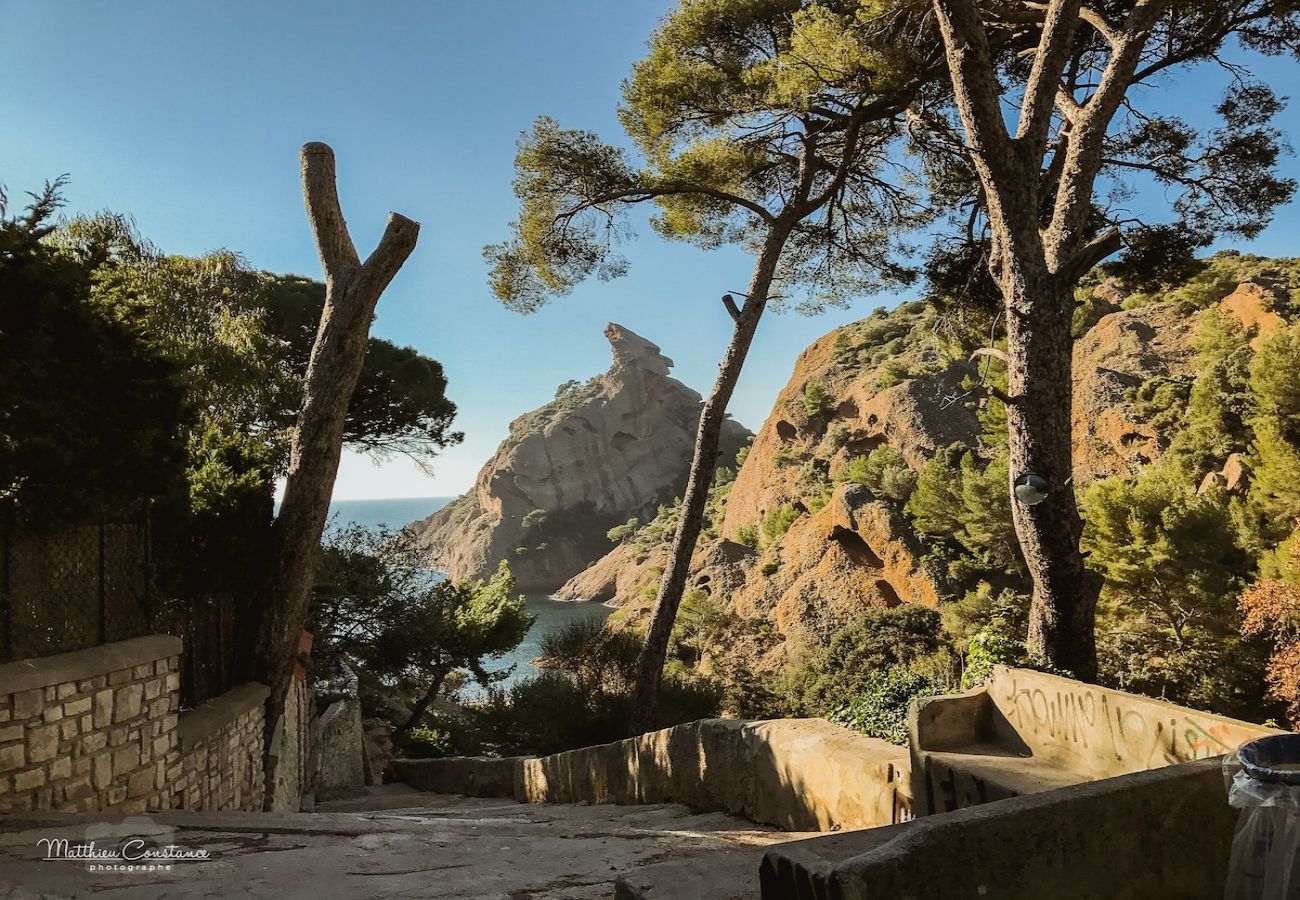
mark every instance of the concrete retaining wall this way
{"type": "Point", "coordinates": [799, 774]}
{"type": "Point", "coordinates": [1163, 833]}
{"type": "Point", "coordinates": [1101, 732]}
{"type": "Point", "coordinates": [1027, 731]}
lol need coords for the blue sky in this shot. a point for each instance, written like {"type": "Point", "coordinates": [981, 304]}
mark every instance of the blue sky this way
{"type": "Point", "coordinates": [189, 117]}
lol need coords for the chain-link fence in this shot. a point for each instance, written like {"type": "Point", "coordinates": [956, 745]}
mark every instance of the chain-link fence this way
{"type": "Point", "coordinates": [73, 588]}
{"type": "Point", "coordinates": [76, 587]}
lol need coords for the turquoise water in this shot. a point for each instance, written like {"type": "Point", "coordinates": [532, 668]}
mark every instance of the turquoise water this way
{"type": "Point", "coordinates": [551, 614]}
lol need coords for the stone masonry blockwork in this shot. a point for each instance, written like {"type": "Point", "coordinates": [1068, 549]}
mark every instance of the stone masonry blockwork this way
{"type": "Point", "coordinates": [100, 730]}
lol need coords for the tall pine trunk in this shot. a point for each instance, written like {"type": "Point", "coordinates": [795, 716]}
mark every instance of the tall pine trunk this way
{"type": "Point", "coordinates": [1039, 435]}
{"type": "Point", "coordinates": [352, 290]}
{"type": "Point", "coordinates": [703, 463]}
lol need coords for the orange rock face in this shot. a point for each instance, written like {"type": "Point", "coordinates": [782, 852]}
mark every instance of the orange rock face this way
{"type": "Point", "coordinates": [1252, 305]}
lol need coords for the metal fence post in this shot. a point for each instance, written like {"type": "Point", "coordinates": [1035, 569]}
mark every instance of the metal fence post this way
{"type": "Point", "coordinates": [6, 562]}
{"type": "Point", "coordinates": [103, 583]}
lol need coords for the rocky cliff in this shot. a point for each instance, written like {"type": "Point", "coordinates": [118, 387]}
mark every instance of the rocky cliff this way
{"type": "Point", "coordinates": [802, 544]}
{"type": "Point", "coordinates": [602, 452]}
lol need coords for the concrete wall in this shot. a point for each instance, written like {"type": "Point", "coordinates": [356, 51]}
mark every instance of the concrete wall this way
{"type": "Point", "coordinates": [799, 774]}
{"type": "Point", "coordinates": [1027, 731]}
{"type": "Point", "coordinates": [99, 730]}
{"type": "Point", "coordinates": [1165, 833]}
{"type": "Point", "coordinates": [1102, 732]}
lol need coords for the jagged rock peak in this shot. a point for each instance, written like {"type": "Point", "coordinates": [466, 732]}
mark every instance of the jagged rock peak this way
{"type": "Point", "coordinates": [631, 351]}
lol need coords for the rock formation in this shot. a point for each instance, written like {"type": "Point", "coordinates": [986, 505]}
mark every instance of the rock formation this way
{"type": "Point", "coordinates": [891, 383]}
{"type": "Point", "coordinates": [600, 453]}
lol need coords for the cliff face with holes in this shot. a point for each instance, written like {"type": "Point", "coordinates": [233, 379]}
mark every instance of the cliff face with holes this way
{"type": "Point", "coordinates": [892, 381]}
{"type": "Point", "coordinates": [600, 453]}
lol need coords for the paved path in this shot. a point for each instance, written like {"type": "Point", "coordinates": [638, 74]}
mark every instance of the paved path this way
{"type": "Point", "coordinates": [394, 843]}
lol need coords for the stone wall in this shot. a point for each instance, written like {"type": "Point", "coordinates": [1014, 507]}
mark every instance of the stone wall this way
{"type": "Point", "coordinates": [338, 758]}
{"type": "Point", "coordinates": [99, 730]}
{"type": "Point", "coordinates": [799, 774]}
{"type": "Point", "coordinates": [91, 730]}
{"type": "Point", "coordinates": [221, 752]}
{"type": "Point", "coordinates": [292, 746]}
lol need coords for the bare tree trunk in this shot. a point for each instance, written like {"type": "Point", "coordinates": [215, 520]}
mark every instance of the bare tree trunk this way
{"type": "Point", "coordinates": [352, 290]}
{"type": "Point", "coordinates": [422, 706]}
{"type": "Point", "coordinates": [673, 585]}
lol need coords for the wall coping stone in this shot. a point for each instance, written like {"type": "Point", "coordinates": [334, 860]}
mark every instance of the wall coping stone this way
{"type": "Point", "coordinates": [79, 665]}
{"type": "Point", "coordinates": [197, 725]}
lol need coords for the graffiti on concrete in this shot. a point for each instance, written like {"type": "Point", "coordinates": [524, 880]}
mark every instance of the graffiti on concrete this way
{"type": "Point", "coordinates": [1108, 725]}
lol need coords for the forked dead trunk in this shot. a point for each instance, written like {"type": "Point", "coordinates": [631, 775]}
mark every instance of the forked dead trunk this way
{"type": "Point", "coordinates": [352, 290]}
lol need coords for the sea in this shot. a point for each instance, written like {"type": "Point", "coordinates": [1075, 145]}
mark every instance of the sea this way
{"type": "Point", "coordinates": [550, 614]}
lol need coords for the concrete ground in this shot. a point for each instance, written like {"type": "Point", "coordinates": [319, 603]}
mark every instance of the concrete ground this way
{"type": "Point", "coordinates": [394, 842]}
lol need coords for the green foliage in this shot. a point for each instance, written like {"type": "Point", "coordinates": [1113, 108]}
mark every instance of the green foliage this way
{"type": "Point", "coordinates": [778, 521]}
{"type": "Point", "coordinates": [702, 626]}
{"type": "Point", "coordinates": [784, 457]}
{"type": "Point", "coordinates": [620, 533]}
{"type": "Point", "coordinates": [715, 109]}
{"type": "Point", "coordinates": [747, 534]}
{"type": "Point", "coordinates": [425, 743]}
{"type": "Point", "coordinates": [1173, 569]}
{"type": "Point", "coordinates": [1219, 402]}
{"type": "Point", "coordinates": [824, 678]}
{"type": "Point", "coordinates": [400, 403]}
{"type": "Point", "coordinates": [879, 707]}
{"type": "Point", "coordinates": [91, 421]}
{"type": "Point", "coordinates": [584, 695]}
{"type": "Point", "coordinates": [1274, 387]}
{"type": "Point", "coordinates": [376, 604]}
{"type": "Point", "coordinates": [964, 501]}
{"type": "Point", "coordinates": [987, 648]}
{"type": "Point", "coordinates": [534, 519]}
{"type": "Point", "coordinates": [818, 401]}
{"type": "Point", "coordinates": [884, 472]}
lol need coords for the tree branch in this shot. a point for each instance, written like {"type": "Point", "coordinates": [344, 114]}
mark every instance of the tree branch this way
{"type": "Point", "coordinates": [1103, 245]}
{"type": "Point", "coordinates": [977, 94]}
{"type": "Point", "coordinates": [1044, 82]}
{"type": "Point", "coordinates": [320, 190]}
{"type": "Point", "coordinates": [394, 247]}
{"type": "Point", "coordinates": [732, 310]}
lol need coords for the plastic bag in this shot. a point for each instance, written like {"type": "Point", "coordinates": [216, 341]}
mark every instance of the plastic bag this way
{"type": "Point", "coordinates": [1264, 783]}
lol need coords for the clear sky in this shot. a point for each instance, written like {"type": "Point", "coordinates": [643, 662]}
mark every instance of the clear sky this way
{"type": "Point", "coordinates": [189, 116]}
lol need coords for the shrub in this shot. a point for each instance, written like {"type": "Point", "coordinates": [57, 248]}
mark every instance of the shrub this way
{"type": "Point", "coordinates": [425, 743]}
{"type": "Point", "coordinates": [826, 677]}
{"type": "Point", "coordinates": [778, 521]}
{"type": "Point", "coordinates": [620, 533]}
{"type": "Point", "coordinates": [880, 708]}
{"type": "Point", "coordinates": [534, 518]}
{"type": "Point", "coordinates": [747, 534]}
{"type": "Point", "coordinates": [884, 472]}
{"type": "Point", "coordinates": [817, 401]}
